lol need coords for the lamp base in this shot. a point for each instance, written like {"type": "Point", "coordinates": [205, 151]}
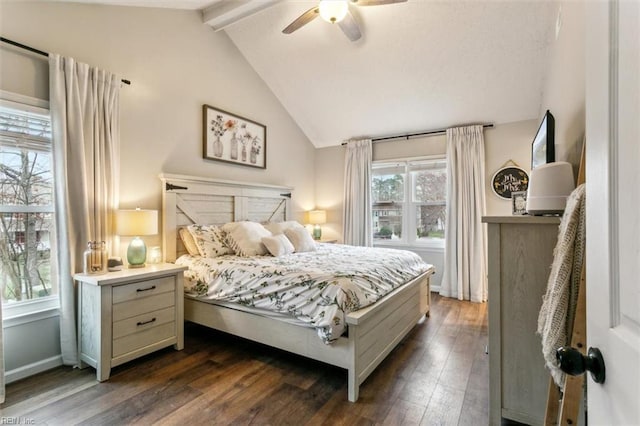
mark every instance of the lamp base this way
{"type": "Point", "coordinates": [136, 253]}
{"type": "Point", "coordinates": [317, 232]}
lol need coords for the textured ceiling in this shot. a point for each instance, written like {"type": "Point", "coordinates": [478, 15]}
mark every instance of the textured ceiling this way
{"type": "Point", "coordinates": [419, 65]}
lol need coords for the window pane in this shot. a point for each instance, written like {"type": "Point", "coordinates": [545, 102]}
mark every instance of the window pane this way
{"type": "Point", "coordinates": [25, 177]}
{"type": "Point", "coordinates": [430, 220]}
{"type": "Point", "coordinates": [25, 251]}
{"type": "Point", "coordinates": [387, 221]}
{"type": "Point", "coordinates": [430, 185]}
{"type": "Point", "coordinates": [387, 187]}
{"type": "Point", "coordinates": [26, 200]}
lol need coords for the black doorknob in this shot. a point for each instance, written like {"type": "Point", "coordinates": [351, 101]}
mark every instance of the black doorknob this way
{"type": "Point", "coordinates": [574, 363]}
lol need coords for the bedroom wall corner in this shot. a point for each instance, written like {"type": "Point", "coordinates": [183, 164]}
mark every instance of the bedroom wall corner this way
{"type": "Point", "coordinates": [564, 86]}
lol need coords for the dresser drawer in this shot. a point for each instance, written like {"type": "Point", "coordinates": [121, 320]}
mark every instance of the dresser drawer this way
{"type": "Point", "coordinates": [144, 305]}
{"type": "Point", "coordinates": [143, 338]}
{"type": "Point", "coordinates": [141, 289]}
{"type": "Point", "coordinates": [143, 322]}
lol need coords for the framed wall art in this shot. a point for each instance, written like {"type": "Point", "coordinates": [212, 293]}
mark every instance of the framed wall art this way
{"type": "Point", "coordinates": [233, 139]}
{"type": "Point", "coordinates": [519, 202]}
{"type": "Point", "coordinates": [509, 179]}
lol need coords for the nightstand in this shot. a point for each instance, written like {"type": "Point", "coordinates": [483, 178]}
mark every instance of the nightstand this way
{"type": "Point", "coordinates": [333, 241]}
{"type": "Point", "coordinates": [127, 314]}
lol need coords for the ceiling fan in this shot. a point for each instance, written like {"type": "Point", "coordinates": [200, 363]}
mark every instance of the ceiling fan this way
{"type": "Point", "coordinates": [336, 11]}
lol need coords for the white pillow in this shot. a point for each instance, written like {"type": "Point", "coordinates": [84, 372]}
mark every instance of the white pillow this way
{"type": "Point", "coordinates": [300, 239]}
{"type": "Point", "coordinates": [279, 227]}
{"type": "Point", "coordinates": [245, 238]}
{"type": "Point", "coordinates": [278, 245]}
{"type": "Point", "coordinates": [189, 242]}
{"type": "Point", "coordinates": [210, 240]}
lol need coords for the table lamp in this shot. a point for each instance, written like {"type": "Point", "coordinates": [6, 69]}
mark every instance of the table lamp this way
{"type": "Point", "coordinates": [317, 218]}
{"type": "Point", "coordinates": [136, 223]}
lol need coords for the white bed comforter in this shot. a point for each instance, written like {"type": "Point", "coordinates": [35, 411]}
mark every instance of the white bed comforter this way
{"type": "Point", "coordinates": [318, 288]}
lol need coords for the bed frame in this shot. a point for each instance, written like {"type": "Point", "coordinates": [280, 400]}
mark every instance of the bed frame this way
{"type": "Point", "coordinates": [373, 332]}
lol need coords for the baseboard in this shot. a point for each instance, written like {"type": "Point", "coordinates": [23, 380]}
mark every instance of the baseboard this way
{"type": "Point", "coordinates": [435, 289]}
{"type": "Point", "coordinates": [31, 369]}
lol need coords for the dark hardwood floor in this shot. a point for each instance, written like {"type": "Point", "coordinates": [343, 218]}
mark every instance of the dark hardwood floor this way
{"type": "Point", "coordinates": [439, 375]}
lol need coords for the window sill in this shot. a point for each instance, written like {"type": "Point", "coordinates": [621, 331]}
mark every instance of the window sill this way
{"type": "Point", "coordinates": [415, 246]}
{"type": "Point", "coordinates": [26, 312]}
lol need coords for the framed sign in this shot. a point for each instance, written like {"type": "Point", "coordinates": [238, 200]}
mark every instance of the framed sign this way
{"type": "Point", "coordinates": [508, 180]}
{"type": "Point", "coordinates": [519, 202]}
{"type": "Point", "coordinates": [233, 139]}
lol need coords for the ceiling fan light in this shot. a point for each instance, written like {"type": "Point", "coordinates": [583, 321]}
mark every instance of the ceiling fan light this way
{"type": "Point", "coordinates": [333, 10]}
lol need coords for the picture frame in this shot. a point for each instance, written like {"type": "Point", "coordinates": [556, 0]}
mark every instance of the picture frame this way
{"type": "Point", "coordinates": [231, 138]}
{"type": "Point", "coordinates": [519, 203]}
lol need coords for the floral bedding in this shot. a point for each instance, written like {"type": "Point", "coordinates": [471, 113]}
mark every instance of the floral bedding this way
{"type": "Point", "coordinates": [318, 288]}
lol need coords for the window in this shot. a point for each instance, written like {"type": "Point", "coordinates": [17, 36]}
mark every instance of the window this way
{"type": "Point", "coordinates": [26, 203]}
{"type": "Point", "coordinates": [409, 201]}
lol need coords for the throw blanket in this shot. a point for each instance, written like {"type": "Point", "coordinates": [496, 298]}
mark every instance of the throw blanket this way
{"type": "Point", "coordinates": [555, 321]}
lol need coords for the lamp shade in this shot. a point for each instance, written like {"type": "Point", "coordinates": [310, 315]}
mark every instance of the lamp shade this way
{"type": "Point", "coordinates": [136, 222]}
{"type": "Point", "coordinates": [333, 10]}
{"type": "Point", "coordinates": [317, 217]}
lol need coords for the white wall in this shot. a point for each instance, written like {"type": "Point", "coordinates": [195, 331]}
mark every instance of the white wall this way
{"type": "Point", "coordinates": [176, 64]}
{"type": "Point", "coordinates": [564, 88]}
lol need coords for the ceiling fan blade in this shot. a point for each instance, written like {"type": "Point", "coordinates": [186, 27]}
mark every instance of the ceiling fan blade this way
{"type": "Point", "coordinates": [350, 27]}
{"type": "Point", "coordinates": [375, 2]}
{"type": "Point", "coordinates": [302, 20]}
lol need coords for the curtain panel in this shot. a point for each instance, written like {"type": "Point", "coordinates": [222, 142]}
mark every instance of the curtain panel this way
{"type": "Point", "coordinates": [465, 265]}
{"type": "Point", "coordinates": [357, 211]}
{"type": "Point", "coordinates": [84, 104]}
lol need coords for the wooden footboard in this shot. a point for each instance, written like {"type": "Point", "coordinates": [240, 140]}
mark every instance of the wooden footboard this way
{"type": "Point", "coordinates": [373, 331]}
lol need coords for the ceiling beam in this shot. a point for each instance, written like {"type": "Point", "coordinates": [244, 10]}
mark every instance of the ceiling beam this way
{"type": "Point", "coordinates": [227, 12]}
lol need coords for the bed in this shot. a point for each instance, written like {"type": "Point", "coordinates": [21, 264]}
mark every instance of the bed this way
{"type": "Point", "coordinates": [372, 332]}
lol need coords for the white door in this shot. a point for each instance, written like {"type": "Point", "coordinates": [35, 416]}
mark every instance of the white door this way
{"type": "Point", "coordinates": [613, 207]}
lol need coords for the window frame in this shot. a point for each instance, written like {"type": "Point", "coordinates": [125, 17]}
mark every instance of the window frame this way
{"type": "Point", "coordinates": [27, 310]}
{"type": "Point", "coordinates": [409, 206]}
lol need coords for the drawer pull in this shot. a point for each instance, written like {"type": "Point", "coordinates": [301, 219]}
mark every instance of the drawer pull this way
{"type": "Point", "coordinates": [153, 287]}
{"type": "Point", "coordinates": [146, 322]}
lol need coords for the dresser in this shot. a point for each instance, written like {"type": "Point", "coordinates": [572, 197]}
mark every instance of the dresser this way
{"type": "Point", "coordinates": [127, 314]}
{"type": "Point", "coordinates": [520, 254]}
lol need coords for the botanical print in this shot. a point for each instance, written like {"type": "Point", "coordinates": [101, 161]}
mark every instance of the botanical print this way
{"type": "Point", "coordinates": [318, 288]}
{"type": "Point", "coordinates": [234, 139]}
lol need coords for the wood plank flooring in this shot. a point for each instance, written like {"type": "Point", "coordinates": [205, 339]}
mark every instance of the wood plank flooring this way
{"type": "Point", "coordinates": [439, 375]}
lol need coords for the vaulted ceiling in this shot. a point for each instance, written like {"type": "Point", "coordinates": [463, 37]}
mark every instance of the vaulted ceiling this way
{"type": "Point", "coordinates": [419, 65]}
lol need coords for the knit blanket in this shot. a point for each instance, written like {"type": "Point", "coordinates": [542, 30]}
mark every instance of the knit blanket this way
{"type": "Point", "coordinates": [555, 320]}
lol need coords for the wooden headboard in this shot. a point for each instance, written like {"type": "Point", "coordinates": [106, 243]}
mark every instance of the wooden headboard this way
{"type": "Point", "coordinates": [191, 199]}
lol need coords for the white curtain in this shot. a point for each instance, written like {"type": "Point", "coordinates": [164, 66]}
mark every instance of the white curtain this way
{"type": "Point", "coordinates": [465, 262]}
{"type": "Point", "coordinates": [356, 215]}
{"type": "Point", "coordinates": [84, 103]}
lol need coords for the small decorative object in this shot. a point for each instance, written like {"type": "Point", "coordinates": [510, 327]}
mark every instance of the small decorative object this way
{"type": "Point", "coordinates": [95, 258]}
{"type": "Point", "coordinates": [509, 179]}
{"type": "Point", "coordinates": [317, 218]}
{"type": "Point", "coordinates": [136, 223]}
{"type": "Point", "coordinates": [114, 264]}
{"type": "Point", "coordinates": [155, 255]}
{"type": "Point", "coordinates": [519, 202]}
{"type": "Point", "coordinates": [223, 132]}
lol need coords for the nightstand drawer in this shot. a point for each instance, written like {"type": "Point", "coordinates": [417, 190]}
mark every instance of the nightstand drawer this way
{"type": "Point", "coordinates": [144, 305]}
{"type": "Point", "coordinates": [143, 338]}
{"type": "Point", "coordinates": [141, 289]}
{"type": "Point", "coordinates": [143, 322]}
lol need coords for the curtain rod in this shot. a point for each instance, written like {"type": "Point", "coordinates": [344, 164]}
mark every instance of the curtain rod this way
{"type": "Point", "coordinates": [39, 52]}
{"type": "Point", "coordinates": [415, 135]}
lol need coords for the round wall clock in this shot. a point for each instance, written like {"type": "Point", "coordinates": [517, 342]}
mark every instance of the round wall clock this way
{"type": "Point", "coordinates": [509, 179]}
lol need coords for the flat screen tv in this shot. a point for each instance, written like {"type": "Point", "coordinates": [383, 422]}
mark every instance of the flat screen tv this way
{"type": "Point", "coordinates": [543, 146]}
